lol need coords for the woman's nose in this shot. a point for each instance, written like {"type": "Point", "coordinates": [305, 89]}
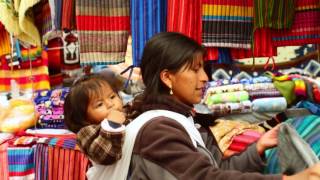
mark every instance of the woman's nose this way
{"type": "Point", "coordinates": [203, 76]}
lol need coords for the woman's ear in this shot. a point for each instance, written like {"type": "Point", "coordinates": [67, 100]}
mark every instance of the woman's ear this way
{"type": "Point", "coordinates": [166, 78]}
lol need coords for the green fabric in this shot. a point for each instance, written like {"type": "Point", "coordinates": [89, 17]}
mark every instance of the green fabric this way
{"type": "Point", "coordinates": [286, 88]}
{"type": "Point", "coordinates": [277, 14]}
{"type": "Point", "coordinates": [237, 96]}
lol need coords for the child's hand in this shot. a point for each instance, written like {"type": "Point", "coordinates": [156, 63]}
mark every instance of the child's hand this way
{"type": "Point", "coordinates": [116, 116]}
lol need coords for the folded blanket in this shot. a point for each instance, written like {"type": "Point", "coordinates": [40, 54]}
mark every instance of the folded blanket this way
{"type": "Point", "coordinates": [227, 97]}
{"type": "Point", "coordinates": [269, 104]}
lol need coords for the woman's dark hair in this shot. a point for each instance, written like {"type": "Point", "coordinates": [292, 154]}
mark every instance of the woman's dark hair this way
{"type": "Point", "coordinates": [78, 99]}
{"type": "Point", "coordinates": [166, 50]}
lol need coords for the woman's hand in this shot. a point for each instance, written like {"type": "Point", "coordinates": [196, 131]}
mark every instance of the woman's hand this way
{"type": "Point", "coordinates": [312, 173]}
{"type": "Point", "coordinates": [268, 140]}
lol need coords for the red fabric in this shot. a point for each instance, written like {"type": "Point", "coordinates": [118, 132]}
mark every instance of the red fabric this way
{"type": "Point", "coordinates": [316, 94]}
{"type": "Point", "coordinates": [228, 2]}
{"type": "Point", "coordinates": [212, 53]}
{"type": "Point", "coordinates": [92, 23]}
{"type": "Point", "coordinates": [263, 46]}
{"type": "Point", "coordinates": [184, 16]}
{"type": "Point", "coordinates": [4, 162]}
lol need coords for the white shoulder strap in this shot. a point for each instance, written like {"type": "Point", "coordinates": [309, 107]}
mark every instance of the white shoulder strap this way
{"type": "Point", "coordinates": [119, 170]}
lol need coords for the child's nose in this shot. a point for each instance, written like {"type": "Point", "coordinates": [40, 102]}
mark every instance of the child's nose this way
{"type": "Point", "coordinates": [109, 103]}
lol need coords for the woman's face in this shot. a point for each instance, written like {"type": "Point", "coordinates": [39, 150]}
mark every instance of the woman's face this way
{"type": "Point", "coordinates": [189, 82]}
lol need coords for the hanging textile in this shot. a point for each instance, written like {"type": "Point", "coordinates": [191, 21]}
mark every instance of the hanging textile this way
{"type": "Point", "coordinates": [35, 78]}
{"type": "Point", "coordinates": [18, 20]}
{"type": "Point", "coordinates": [4, 41]}
{"type": "Point", "coordinates": [68, 15]}
{"type": "Point", "coordinates": [20, 162]}
{"type": "Point", "coordinates": [227, 23]}
{"type": "Point", "coordinates": [277, 14]}
{"type": "Point", "coordinates": [148, 17]}
{"type": "Point", "coordinates": [305, 28]}
{"type": "Point", "coordinates": [4, 169]}
{"type": "Point", "coordinates": [263, 46]}
{"type": "Point", "coordinates": [103, 27]}
{"type": "Point", "coordinates": [184, 16]}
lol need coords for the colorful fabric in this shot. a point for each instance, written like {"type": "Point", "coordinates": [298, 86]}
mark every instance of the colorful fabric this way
{"type": "Point", "coordinates": [147, 19]}
{"type": "Point", "coordinates": [227, 23]}
{"type": "Point", "coordinates": [39, 75]}
{"type": "Point", "coordinates": [66, 164]}
{"type": "Point", "coordinates": [300, 88]}
{"type": "Point", "coordinates": [276, 104]}
{"type": "Point", "coordinates": [227, 97]}
{"type": "Point", "coordinates": [103, 28]}
{"type": "Point", "coordinates": [295, 154]}
{"type": "Point", "coordinates": [242, 141]}
{"type": "Point", "coordinates": [225, 88]}
{"type": "Point", "coordinates": [43, 19]}
{"type": "Point", "coordinates": [230, 108]}
{"type": "Point", "coordinates": [258, 86]}
{"type": "Point", "coordinates": [308, 127]}
{"type": "Point", "coordinates": [312, 107]}
{"type": "Point", "coordinates": [41, 162]}
{"type": "Point", "coordinates": [4, 169]}
{"type": "Point", "coordinates": [184, 16]}
{"type": "Point", "coordinates": [224, 131]}
{"type": "Point", "coordinates": [276, 14]}
{"type": "Point", "coordinates": [20, 162]}
{"type": "Point", "coordinates": [5, 47]}
{"type": "Point", "coordinates": [305, 27]}
{"type": "Point", "coordinates": [4, 137]}
{"type": "Point", "coordinates": [256, 94]}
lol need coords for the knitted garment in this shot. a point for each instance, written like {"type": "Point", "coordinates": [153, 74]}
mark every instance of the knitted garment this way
{"type": "Point", "coordinates": [68, 16]}
{"type": "Point", "coordinates": [17, 18]}
{"type": "Point", "coordinates": [277, 14]}
{"type": "Point", "coordinates": [184, 16]}
{"type": "Point", "coordinates": [227, 23]}
{"type": "Point", "coordinates": [305, 28]}
{"type": "Point", "coordinates": [148, 17]}
{"type": "Point", "coordinates": [103, 28]}
{"type": "Point", "coordinates": [275, 104]}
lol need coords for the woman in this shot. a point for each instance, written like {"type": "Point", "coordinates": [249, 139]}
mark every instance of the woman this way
{"type": "Point", "coordinates": [164, 145]}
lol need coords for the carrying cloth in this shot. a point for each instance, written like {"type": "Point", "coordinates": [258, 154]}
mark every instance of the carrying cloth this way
{"type": "Point", "coordinates": [119, 170]}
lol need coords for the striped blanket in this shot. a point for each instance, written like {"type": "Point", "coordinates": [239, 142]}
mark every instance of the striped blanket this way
{"type": "Point", "coordinates": [305, 28]}
{"type": "Point", "coordinates": [308, 128]}
{"type": "Point", "coordinates": [103, 27]}
{"type": "Point", "coordinates": [227, 23]}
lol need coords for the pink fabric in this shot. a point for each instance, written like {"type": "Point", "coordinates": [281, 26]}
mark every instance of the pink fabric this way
{"type": "Point", "coordinates": [4, 171]}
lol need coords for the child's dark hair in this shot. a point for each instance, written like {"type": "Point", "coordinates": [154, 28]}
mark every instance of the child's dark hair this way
{"type": "Point", "coordinates": [78, 99]}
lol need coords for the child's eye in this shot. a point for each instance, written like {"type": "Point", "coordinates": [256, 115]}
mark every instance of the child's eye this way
{"type": "Point", "coordinates": [112, 96]}
{"type": "Point", "coordinates": [99, 104]}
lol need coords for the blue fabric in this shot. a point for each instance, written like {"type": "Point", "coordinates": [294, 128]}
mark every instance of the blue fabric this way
{"type": "Point", "coordinates": [312, 107]}
{"type": "Point", "coordinates": [308, 127]}
{"type": "Point", "coordinates": [148, 17]}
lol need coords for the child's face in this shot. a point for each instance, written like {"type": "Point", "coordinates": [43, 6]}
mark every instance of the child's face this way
{"type": "Point", "coordinates": [100, 105]}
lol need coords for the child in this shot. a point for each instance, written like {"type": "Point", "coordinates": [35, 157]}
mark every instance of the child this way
{"type": "Point", "coordinates": [94, 111]}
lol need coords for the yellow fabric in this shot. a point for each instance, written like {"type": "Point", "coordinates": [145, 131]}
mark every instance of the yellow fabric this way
{"type": "Point", "coordinates": [17, 22]}
{"type": "Point", "coordinates": [225, 130]}
{"type": "Point", "coordinates": [4, 42]}
{"type": "Point", "coordinates": [19, 115]}
{"type": "Point", "coordinates": [222, 10]}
